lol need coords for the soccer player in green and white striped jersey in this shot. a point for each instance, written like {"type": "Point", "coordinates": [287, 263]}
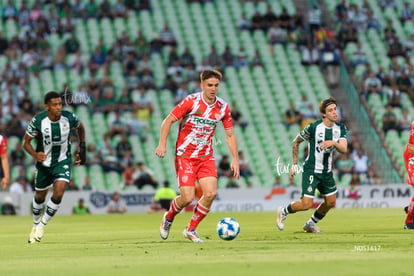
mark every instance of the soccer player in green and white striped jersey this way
{"type": "Point", "coordinates": [323, 136]}
{"type": "Point", "coordinates": [51, 131]}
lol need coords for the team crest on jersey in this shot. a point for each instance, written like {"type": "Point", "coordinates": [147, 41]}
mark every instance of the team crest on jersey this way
{"type": "Point", "coordinates": [310, 189]}
{"type": "Point", "coordinates": [65, 127]}
{"type": "Point", "coordinates": [184, 179]}
{"type": "Point", "coordinates": [336, 134]}
{"type": "Point", "coordinates": [218, 115]}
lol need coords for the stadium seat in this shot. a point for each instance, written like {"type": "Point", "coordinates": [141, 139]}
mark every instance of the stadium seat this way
{"type": "Point", "coordinates": [261, 93]}
{"type": "Point", "coordinates": [97, 178]}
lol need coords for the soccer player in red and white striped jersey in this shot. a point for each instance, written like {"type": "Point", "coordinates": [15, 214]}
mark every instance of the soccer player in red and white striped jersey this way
{"type": "Point", "coordinates": [199, 114]}
{"type": "Point", "coordinates": [409, 166]}
{"type": "Point", "coordinates": [4, 162]}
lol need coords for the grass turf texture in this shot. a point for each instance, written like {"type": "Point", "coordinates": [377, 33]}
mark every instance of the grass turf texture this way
{"type": "Point", "coordinates": [353, 242]}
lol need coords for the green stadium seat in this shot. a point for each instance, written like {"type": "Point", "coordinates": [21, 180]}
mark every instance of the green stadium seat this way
{"type": "Point", "coordinates": [273, 85]}
{"type": "Point", "coordinates": [97, 178]}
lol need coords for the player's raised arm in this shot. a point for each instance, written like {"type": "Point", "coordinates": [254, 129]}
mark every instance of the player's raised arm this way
{"type": "Point", "coordinates": [165, 130]}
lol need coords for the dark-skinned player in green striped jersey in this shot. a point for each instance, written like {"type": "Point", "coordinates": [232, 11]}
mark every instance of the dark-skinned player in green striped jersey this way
{"type": "Point", "coordinates": [324, 136]}
{"type": "Point", "coordinates": [50, 130]}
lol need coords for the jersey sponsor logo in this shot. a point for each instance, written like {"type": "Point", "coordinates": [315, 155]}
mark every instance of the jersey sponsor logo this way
{"type": "Point", "coordinates": [203, 121]}
{"type": "Point", "coordinates": [199, 141]}
{"type": "Point", "coordinates": [47, 140]}
{"type": "Point", "coordinates": [58, 143]}
{"type": "Point", "coordinates": [318, 149]}
{"type": "Point", "coordinates": [204, 130]}
{"type": "Point", "coordinates": [189, 168]}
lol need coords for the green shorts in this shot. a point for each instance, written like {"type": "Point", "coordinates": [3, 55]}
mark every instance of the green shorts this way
{"type": "Point", "coordinates": [46, 176]}
{"type": "Point", "coordinates": [324, 182]}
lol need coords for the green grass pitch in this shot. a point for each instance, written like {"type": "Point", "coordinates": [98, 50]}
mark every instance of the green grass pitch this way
{"type": "Point", "coordinates": [353, 242]}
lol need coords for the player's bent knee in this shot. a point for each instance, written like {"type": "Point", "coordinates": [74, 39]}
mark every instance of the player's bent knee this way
{"type": "Point", "coordinates": [306, 203]}
{"type": "Point", "coordinates": [306, 207]}
{"type": "Point", "coordinates": [185, 201]}
{"type": "Point", "coordinates": [210, 196]}
{"type": "Point", "coordinates": [331, 204]}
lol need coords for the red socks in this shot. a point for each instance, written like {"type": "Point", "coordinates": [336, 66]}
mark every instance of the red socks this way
{"type": "Point", "coordinates": [200, 212]}
{"type": "Point", "coordinates": [174, 210]}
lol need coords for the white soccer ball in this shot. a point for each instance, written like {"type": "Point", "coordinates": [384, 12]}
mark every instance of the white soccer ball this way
{"type": "Point", "coordinates": [228, 229]}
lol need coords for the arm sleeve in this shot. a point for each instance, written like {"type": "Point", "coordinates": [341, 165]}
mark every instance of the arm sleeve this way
{"type": "Point", "coordinates": [181, 109]}
{"type": "Point", "coordinates": [306, 132]}
{"type": "Point", "coordinates": [3, 146]}
{"type": "Point", "coordinates": [344, 132]}
{"type": "Point", "coordinates": [73, 120]}
{"type": "Point", "coordinates": [32, 128]}
{"type": "Point", "coordinates": [227, 120]}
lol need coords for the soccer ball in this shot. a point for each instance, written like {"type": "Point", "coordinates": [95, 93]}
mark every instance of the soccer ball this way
{"type": "Point", "coordinates": [228, 229]}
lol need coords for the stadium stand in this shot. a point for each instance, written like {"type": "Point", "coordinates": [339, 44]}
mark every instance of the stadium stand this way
{"type": "Point", "coordinates": [374, 43]}
{"type": "Point", "coordinates": [262, 93]}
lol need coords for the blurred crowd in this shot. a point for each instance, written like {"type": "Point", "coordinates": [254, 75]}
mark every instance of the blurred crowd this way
{"type": "Point", "coordinates": [128, 108]}
{"type": "Point", "coordinates": [29, 53]}
{"type": "Point", "coordinates": [387, 82]}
